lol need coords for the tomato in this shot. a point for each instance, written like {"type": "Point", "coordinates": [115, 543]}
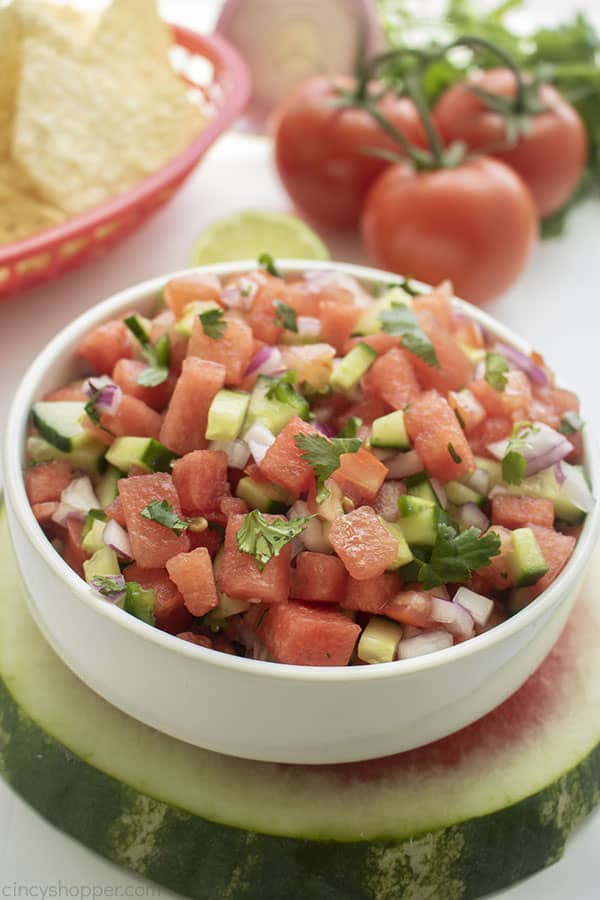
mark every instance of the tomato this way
{"type": "Point", "coordinates": [319, 148]}
{"type": "Point", "coordinates": [550, 156]}
{"type": "Point", "coordinates": [474, 224]}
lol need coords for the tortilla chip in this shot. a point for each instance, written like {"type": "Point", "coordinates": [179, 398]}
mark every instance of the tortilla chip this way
{"type": "Point", "coordinates": [83, 136]}
{"type": "Point", "coordinates": [9, 72]}
{"type": "Point", "coordinates": [60, 25]}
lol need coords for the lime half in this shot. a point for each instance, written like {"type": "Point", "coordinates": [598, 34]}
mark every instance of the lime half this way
{"type": "Point", "coordinates": [246, 235]}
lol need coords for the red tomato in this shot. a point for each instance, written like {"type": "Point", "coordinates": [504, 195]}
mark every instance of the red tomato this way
{"type": "Point", "coordinates": [474, 224]}
{"type": "Point", "coordinates": [319, 148]}
{"type": "Point", "coordinates": [550, 157]}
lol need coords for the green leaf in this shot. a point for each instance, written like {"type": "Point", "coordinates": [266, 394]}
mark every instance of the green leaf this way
{"type": "Point", "coordinates": [323, 455]}
{"type": "Point", "coordinates": [351, 428]}
{"type": "Point", "coordinates": [213, 323]}
{"type": "Point", "coordinates": [157, 356]}
{"type": "Point", "coordinates": [282, 388]}
{"type": "Point", "coordinates": [514, 464]}
{"type": "Point", "coordinates": [152, 376]}
{"type": "Point", "coordinates": [263, 539]}
{"type": "Point", "coordinates": [495, 367]}
{"type": "Point", "coordinates": [401, 320]}
{"type": "Point", "coordinates": [90, 409]}
{"type": "Point", "coordinates": [162, 512]}
{"type": "Point", "coordinates": [455, 556]}
{"type": "Point", "coordinates": [137, 330]}
{"type": "Point", "coordinates": [266, 261]}
{"type": "Point", "coordinates": [162, 349]}
{"type": "Point", "coordinates": [285, 316]}
{"type": "Point", "coordinates": [109, 585]}
{"type": "Point", "coordinates": [455, 457]}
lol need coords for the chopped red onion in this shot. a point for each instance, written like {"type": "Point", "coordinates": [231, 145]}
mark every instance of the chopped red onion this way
{"type": "Point", "coordinates": [325, 429]}
{"type": "Point", "coordinates": [384, 453]}
{"type": "Point", "coordinates": [106, 394]}
{"type": "Point", "coordinates": [404, 464]}
{"type": "Point", "coordinates": [559, 473]}
{"type": "Point", "coordinates": [259, 438]}
{"type": "Point", "coordinates": [479, 481]}
{"type": "Point", "coordinates": [471, 516]}
{"type": "Point", "coordinates": [238, 452]}
{"type": "Point", "coordinates": [575, 488]}
{"type": "Point", "coordinates": [76, 500]}
{"type": "Point", "coordinates": [239, 296]}
{"type": "Point", "coordinates": [386, 501]}
{"type": "Point", "coordinates": [309, 326]}
{"type": "Point", "coordinates": [267, 361]}
{"type": "Point", "coordinates": [542, 447]}
{"type": "Point", "coordinates": [439, 492]}
{"type": "Point", "coordinates": [523, 362]}
{"type": "Point", "coordinates": [497, 490]}
{"type": "Point", "coordinates": [115, 537]}
{"type": "Point", "coordinates": [316, 279]}
{"type": "Point", "coordinates": [112, 587]}
{"type": "Point", "coordinates": [454, 617]}
{"type": "Point", "coordinates": [428, 642]}
{"type": "Point", "coordinates": [64, 512]}
{"type": "Point", "coordinates": [479, 607]}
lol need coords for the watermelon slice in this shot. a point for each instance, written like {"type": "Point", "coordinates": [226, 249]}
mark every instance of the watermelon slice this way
{"type": "Point", "coordinates": [458, 819]}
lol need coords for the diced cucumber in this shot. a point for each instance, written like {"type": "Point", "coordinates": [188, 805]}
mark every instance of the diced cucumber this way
{"type": "Point", "coordinates": [418, 521]}
{"type": "Point", "coordinates": [185, 325]}
{"type": "Point", "coordinates": [88, 457]}
{"type": "Point", "coordinates": [268, 498]}
{"type": "Point", "coordinates": [227, 607]}
{"type": "Point", "coordinates": [379, 640]}
{"type": "Point", "coordinates": [226, 415]}
{"type": "Point", "coordinates": [459, 493]}
{"type": "Point", "coordinates": [390, 431]}
{"type": "Point", "coordinates": [140, 602]}
{"type": "Point", "coordinates": [424, 491]}
{"type": "Point", "coordinates": [493, 469]}
{"type": "Point", "coordinates": [107, 487]}
{"type": "Point", "coordinates": [103, 562]}
{"type": "Point", "coordinates": [525, 560]}
{"type": "Point", "coordinates": [59, 423]}
{"type": "Point", "coordinates": [544, 484]}
{"type": "Point", "coordinates": [145, 453]}
{"type": "Point", "coordinates": [404, 554]}
{"type": "Point", "coordinates": [352, 367]}
{"type": "Point", "coordinates": [92, 536]}
{"type": "Point", "coordinates": [270, 411]}
{"type": "Point", "coordinates": [518, 599]}
{"type": "Point", "coordinates": [369, 322]}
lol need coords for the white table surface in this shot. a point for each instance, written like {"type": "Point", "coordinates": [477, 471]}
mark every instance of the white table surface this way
{"type": "Point", "coordinates": [556, 305]}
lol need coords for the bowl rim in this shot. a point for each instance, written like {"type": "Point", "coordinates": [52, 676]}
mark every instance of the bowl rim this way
{"type": "Point", "coordinates": [231, 73]}
{"type": "Point", "coordinates": [63, 344]}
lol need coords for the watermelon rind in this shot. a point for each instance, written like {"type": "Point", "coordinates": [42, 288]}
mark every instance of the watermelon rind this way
{"type": "Point", "coordinates": [212, 827]}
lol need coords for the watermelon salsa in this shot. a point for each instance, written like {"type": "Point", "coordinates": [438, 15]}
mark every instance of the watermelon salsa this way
{"type": "Point", "coordinates": [309, 471]}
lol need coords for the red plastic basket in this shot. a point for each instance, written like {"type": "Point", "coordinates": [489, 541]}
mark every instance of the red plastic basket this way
{"type": "Point", "coordinates": [51, 252]}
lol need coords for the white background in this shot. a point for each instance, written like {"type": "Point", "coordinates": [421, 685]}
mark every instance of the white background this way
{"type": "Point", "coordinates": [555, 305]}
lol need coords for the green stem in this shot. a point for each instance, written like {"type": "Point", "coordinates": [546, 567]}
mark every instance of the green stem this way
{"type": "Point", "coordinates": [478, 43]}
{"type": "Point", "coordinates": [414, 91]}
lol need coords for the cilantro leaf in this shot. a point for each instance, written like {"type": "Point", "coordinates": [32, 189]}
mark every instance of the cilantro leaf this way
{"type": "Point", "coordinates": [282, 389]}
{"type": "Point", "coordinates": [323, 455]}
{"type": "Point", "coordinates": [351, 428]}
{"type": "Point", "coordinates": [136, 327]}
{"type": "Point", "coordinates": [213, 323]}
{"type": "Point", "coordinates": [263, 539]}
{"type": "Point", "coordinates": [113, 586]}
{"type": "Point", "coordinates": [152, 376]}
{"type": "Point", "coordinates": [266, 261]}
{"type": "Point", "coordinates": [285, 316]}
{"type": "Point", "coordinates": [162, 512]}
{"type": "Point", "coordinates": [404, 283]}
{"type": "Point", "coordinates": [455, 556]}
{"type": "Point", "coordinates": [495, 367]}
{"type": "Point", "coordinates": [158, 356]}
{"type": "Point", "coordinates": [454, 455]}
{"type": "Point", "coordinates": [514, 463]}
{"type": "Point", "coordinates": [401, 320]}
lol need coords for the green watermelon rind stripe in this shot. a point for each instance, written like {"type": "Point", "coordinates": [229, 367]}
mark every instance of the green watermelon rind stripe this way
{"type": "Point", "coordinates": [206, 860]}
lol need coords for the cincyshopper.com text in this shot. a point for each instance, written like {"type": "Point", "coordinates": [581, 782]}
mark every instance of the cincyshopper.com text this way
{"type": "Point", "coordinates": [60, 889]}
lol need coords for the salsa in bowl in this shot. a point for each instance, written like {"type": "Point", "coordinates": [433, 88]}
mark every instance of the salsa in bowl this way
{"type": "Point", "coordinates": [322, 475]}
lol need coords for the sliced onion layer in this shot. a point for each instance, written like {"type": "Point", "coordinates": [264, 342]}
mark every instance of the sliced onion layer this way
{"type": "Point", "coordinates": [541, 449]}
{"type": "Point", "coordinates": [471, 516]}
{"type": "Point", "coordinates": [267, 361]}
{"type": "Point", "coordinates": [479, 607]}
{"type": "Point", "coordinates": [76, 501]}
{"type": "Point", "coordinates": [106, 394]}
{"type": "Point", "coordinates": [115, 537]}
{"type": "Point", "coordinates": [428, 642]}
{"type": "Point", "coordinates": [259, 438]}
{"type": "Point", "coordinates": [523, 362]}
{"type": "Point", "coordinates": [238, 452]}
{"type": "Point", "coordinates": [455, 618]}
{"type": "Point", "coordinates": [404, 464]}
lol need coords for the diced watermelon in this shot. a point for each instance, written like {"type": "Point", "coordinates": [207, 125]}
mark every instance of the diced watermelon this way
{"type": "Point", "coordinates": [184, 425]}
{"type": "Point", "coordinates": [410, 607]}
{"type": "Point", "coordinates": [238, 574]}
{"type": "Point", "coordinates": [313, 363]}
{"type": "Point", "coordinates": [43, 513]}
{"type": "Point", "coordinates": [496, 576]}
{"type": "Point", "coordinates": [152, 544]}
{"type": "Point", "coordinates": [556, 549]}
{"type": "Point", "coordinates": [518, 512]}
{"type": "Point", "coordinates": [565, 401]}
{"type": "Point", "coordinates": [370, 407]}
{"type": "Point", "coordinates": [233, 506]}
{"type": "Point", "coordinates": [233, 350]}
{"type": "Point", "coordinates": [200, 479]}
{"type": "Point", "coordinates": [469, 334]}
{"type": "Point", "coordinates": [161, 325]}
{"type": "Point", "coordinates": [492, 429]}
{"type": "Point", "coordinates": [170, 612]}
{"type": "Point", "coordinates": [187, 288]}
{"type": "Point", "coordinates": [392, 377]}
{"type": "Point", "coordinates": [303, 635]}
{"type": "Point", "coordinates": [318, 577]}
{"type": "Point", "coordinates": [47, 481]}
{"type": "Point", "coordinates": [360, 475]}
{"type": "Point", "coordinates": [515, 396]}
{"type": "Point", "coordinates": [467, 408]}
{"type": "Point", "coordinates": [105, 345]}
{"type": "Point", "coordinates": [338, 319]}
{"type": "Point", "coordinates": [126, 373]}
{"type": "Point", "coordinates": [380, 342]}
{"type": "Point", "coordinates": [261, 317]}
{"type": "Point", "coordinates": [193, 574]}
{"type": "Point", "coordinates": [455, 368]}
{"type": "Point", "coordinates": [133, 418]}
{"type": "Point", "coordinates": [363, 544]}
{"type": "Point", "coordinates": [371, 595]}
{"type": "Point", "coordinates": [302, 298]}
{"type": "Point", "coordinates": [211, 538]}
{"type": "Point", "coordinates": [438, 438]}
{"type": "Point", "coordinates": [283, 463]}
{"type": "Point", "coordinates": [71, 392]}
{"type": "Point", "coordinates": [74, 554]}
{"type": "Point", "coordinates": [202, 640]}
{"type": "Point", "coordinates": [114, 510]}
{"type": "Point", "coordinates": [438, 304]}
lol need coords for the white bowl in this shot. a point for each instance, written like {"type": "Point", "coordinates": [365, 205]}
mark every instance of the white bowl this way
{"type": "Point", "coordinates": [261, 710]}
